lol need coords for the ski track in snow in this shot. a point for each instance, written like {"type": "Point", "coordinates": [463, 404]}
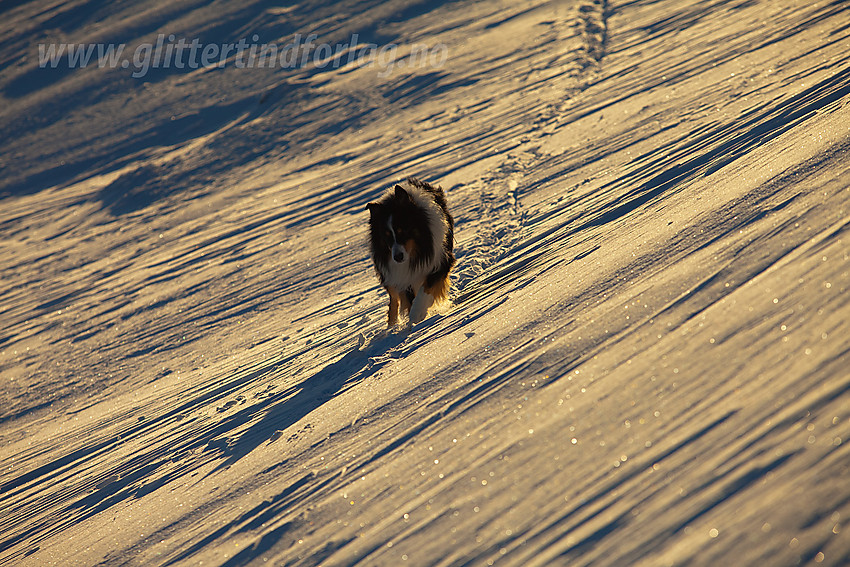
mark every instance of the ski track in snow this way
{"type": "Point", "coordinates": [645, 360]}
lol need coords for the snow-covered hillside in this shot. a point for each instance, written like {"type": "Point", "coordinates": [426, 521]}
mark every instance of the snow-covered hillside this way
{"type": "Point", "coordinates": [646, 359]}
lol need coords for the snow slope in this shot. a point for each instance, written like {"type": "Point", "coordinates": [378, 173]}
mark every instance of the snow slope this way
{"type": "Point", "coordinates": [646, 357]}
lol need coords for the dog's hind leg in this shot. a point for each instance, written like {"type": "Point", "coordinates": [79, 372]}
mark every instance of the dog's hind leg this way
{"type": "Point", "coordinates": [437, 285]}
{"type": "Point", "coordinates": [406, 298]}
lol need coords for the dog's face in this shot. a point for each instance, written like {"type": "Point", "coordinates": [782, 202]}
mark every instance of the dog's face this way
{"type": "Point", "coordinates": [398, 239]}
{"type": "Point", "coordinates": [395, 227]}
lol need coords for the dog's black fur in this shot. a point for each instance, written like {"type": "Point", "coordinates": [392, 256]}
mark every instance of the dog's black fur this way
{"type": "Point", "coordinates": [412, 242]}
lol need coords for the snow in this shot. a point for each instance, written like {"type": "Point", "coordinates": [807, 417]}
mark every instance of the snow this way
{"type": "Point", "coordinates": [645, 360]}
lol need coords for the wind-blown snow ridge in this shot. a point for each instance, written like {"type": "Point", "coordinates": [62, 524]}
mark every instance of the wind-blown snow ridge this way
{"type": "Point", "coordinates": [644, 361]}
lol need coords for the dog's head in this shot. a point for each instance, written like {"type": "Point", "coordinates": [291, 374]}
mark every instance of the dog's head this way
{"type": "Point", "coordinates": [396, 226]}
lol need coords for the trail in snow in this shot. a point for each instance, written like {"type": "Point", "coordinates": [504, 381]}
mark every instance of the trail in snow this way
{"type": "Point", "coordinates": [645, 359]}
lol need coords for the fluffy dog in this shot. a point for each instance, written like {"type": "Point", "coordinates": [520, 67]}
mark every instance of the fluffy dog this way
{"type": "Point", "coordinates": [412, 236]}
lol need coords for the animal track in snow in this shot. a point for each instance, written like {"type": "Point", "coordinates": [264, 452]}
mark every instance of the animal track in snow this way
{"type": "Point", "coordinates": [495, 222]}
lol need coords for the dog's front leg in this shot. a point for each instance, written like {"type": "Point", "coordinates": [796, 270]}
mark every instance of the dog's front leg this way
{"type": "Point", "coordinates": [421, 304]}
{"type": "Point", "coordinates": [392, 316]}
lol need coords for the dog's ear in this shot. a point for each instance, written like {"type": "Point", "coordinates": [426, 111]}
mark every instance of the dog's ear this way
{"type": "Point", "coordinates": [400, 193]}
{"type": "Point", "coordinates": [372, 206]}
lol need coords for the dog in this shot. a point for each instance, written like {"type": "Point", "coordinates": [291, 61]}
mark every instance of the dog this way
{"type": "Point", "coordinates": [412, 242]}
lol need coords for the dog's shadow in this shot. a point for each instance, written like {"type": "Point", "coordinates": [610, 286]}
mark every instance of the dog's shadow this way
{"type": "Point", "coordinates": [287, 408]}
